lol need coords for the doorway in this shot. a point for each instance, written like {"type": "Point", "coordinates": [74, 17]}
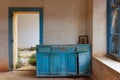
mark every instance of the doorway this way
{"type": "Point", "coordinates": [25, 39]}
{"type": "Point", "coordinates": [25, 32]}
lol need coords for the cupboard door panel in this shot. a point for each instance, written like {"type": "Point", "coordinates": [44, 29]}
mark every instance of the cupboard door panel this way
{"type": "Point", "coordinates": [43, 65]}
{"type": "Point", "coordinates": [71, 64]}
{"type": "Point", "coordinates": [56, 64]}
{"type": "Point", "coordinates": [83, 63]}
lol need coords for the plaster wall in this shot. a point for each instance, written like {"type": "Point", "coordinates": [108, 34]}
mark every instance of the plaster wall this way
{"type": "Point", "coordinates": [89, 21]}
{"type": "Point", "coordinates": [103, 72]}
{"type": "Point", "coordinates": [99, 27]}
{"type": "Point", "coordinates": [64, 21]}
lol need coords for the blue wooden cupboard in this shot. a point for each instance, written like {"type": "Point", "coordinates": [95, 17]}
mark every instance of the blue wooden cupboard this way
{"type": "Point", "coordinates": [63, 60]}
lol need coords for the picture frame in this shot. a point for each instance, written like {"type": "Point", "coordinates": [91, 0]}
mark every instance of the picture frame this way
{"type": "Point", "coordinates": [83, 39]}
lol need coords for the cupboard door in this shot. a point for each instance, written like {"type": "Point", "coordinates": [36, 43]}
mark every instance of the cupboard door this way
{"type": "Point", "coordinates": [71, 64]}
{"type": "Point", "coordinates": [56, 64]}
{"type": "Point", "coordinates": [83, 63]}
{"type": "Point", "coordinates": [43, 66]}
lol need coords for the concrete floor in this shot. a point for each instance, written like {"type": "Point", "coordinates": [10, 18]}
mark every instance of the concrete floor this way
{"type": "Point", "coordinates": [30, 75]}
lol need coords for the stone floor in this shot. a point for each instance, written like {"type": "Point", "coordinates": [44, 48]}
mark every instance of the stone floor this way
{"type": "Point", "coordinates": [30, 75]}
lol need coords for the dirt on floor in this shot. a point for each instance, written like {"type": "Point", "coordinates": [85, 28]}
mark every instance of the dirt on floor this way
{"type": "Point", "coordinates": [31, 75]}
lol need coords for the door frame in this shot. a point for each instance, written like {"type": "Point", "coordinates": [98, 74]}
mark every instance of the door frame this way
{"type": "Point", "coordinates": [10, 22]}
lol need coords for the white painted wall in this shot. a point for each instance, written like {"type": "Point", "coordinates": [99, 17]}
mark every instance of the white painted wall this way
{"type": "Point", "coordinates": [89, 24]}
{"type": "Point", "coordinates": [64, 21]}
{"type": "Point", "coordinates": [28, 30]}
{"type": "Point", "coordinates": [99, 27]}
{"type": "Point", "coordinates": [96, 25]}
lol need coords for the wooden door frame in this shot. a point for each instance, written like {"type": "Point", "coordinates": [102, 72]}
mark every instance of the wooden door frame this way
{"type": "Point", "coordinates": [10, 21]}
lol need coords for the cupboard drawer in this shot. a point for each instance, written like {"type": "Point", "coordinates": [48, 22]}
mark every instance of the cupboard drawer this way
{"type": "Point", "coordinates": [63, 48]}
{"type": "Point", "coordinates": [82, 48]}
{"type": "Point", "coordinates": [43, 49]}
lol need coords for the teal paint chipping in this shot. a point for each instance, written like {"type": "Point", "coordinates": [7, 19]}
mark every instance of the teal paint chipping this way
{"type": "Point", "coordinates": [63, 60]}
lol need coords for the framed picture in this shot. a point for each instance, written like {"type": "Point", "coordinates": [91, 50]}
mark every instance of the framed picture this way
{"type": "Point", "coordinates": [83, 39]}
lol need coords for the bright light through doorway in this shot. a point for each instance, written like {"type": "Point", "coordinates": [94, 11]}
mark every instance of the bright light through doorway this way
{"type": "Point", "coordinates": [26, 37]}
